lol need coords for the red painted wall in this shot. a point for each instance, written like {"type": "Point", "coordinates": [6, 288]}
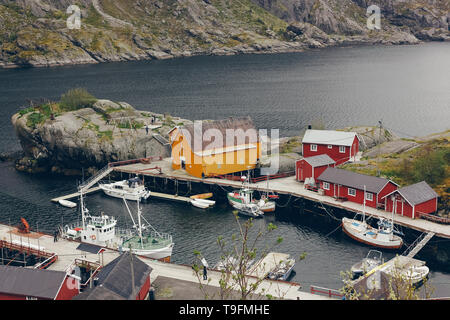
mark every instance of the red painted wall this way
{"type": "Point", "coordinates": [308, 170]}
{"type": "Point", "coordinates": [5, 296]}
{"type": "Point", "coordinates": [68, 290]}
{"type": "Point", "coordinates": [342, 191]}
{"type": "Point", "coordinates": [333, 152]}
{"type": "Point", "coordinates": [429, 206]}
{"type": "Point", "coordinates": [390, 187]}
{"type": "Point", "coordinates": [144, 290]}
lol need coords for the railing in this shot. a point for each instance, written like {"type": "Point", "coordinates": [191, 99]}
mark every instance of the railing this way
{"type": "Point", "coordinates": [273, 176]}
{"type": "Point", "coordinates": [94, 178]}
{"type": "Point", "coordinates": [329, 292]}
{"type": "Point", "coordinates": [51, 257]}
{"type": "Point", "coordinates": [434, 218]}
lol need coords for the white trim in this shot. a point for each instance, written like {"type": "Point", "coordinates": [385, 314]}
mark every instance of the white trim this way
{"type": "Point", "coordinates": [224, 150]}
{"type": "Point", "coordinates": [340, 149]}
{"type": "Point", "coordinates": [369, 193]}
{"type": "Point", "coordinates": [326, 183]}
{"type": "Point", "coordinates": [330, 146]}
{"type": "Point", "coordinates": [348, 192]}
{"type": "Point", "coordinates": [311, 147]}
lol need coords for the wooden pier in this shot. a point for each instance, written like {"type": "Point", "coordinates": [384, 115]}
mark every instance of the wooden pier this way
{"type": "Point", "coordinates": [76, 195]}
{"type": "Point", "coordinates": [284, 186]}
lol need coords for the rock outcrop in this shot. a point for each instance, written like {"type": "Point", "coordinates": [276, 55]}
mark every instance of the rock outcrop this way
{"type": "Point", "coordinates": [91, 137]}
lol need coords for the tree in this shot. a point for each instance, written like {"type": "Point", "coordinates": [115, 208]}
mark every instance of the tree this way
{"type": "Point", "coordinates": [237, 259]}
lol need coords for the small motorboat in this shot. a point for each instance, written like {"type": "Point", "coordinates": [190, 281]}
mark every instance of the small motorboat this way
{"type": "Point", "coordinates": [283, 271]}
{"type": "Point", "coordinates": [202, 196]}
{"type": "Point", "coordinates": [251, 210]}
{"type": "Point", "coordinates": [372, 260]}
{"type": "Point", "coordinates": [131, 189]}
{"type": "Point", "coordinates": [67, 203]}
{"type": "Point", "coordinates": [414, 274]}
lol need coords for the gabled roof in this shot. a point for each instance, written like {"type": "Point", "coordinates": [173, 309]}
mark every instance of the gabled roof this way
{"type": "Point", "coordinates": [243, 127]}
{"type": "Point", "coordinates": [91, 248]}
{"type": "Point", "coordinates": [353, 179]}
{"type": "Point", "coordinates": [320, 160]}
{"type": "Point", "coordinates": [114, 280]}
{"type": "Point", "coordinates": [339, 138]}
{"type": "Point", "coordinates": [31, 282]}
{"type": "Point", "coordinates": [416, 193]}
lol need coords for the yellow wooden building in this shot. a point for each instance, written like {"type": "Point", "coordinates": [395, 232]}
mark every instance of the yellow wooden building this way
{"type": "Point", "coordinates": [209, 148]}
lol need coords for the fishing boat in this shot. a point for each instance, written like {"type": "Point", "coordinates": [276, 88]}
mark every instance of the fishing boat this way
{"type": "Point", "coordinates": [251, 210]}
{"type": "Point", "coordinates": [146, 240]}
{"type": "Point", "coordinates": [102, 231]}
{"type": "Point", "coordinates": [361, 231]}
{"type": "Point", "coordinates": [244, 197]}
{"type": "Point", "coordinates": [131, 189]}
{"type": "Point", "coordinates": [372, 260]}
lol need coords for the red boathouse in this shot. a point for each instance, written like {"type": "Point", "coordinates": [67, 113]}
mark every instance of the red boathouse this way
{"type": "Point", "coordinates": [312, 167]}
{"type": "Point", "coordinates": [341, 146]}
{"type": "Point", "coordinates": [349, 186]}
{"type": "Point", "coordinates": [413, 200]}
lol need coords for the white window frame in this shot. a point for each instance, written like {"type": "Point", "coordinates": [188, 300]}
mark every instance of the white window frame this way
{"type": "Point", "coordinates": [330, 146]}
{"type": "Point", "coordinates": [326, 186]}
{"type": "Point", "coordinates": [350, 194]}
{"type": "Point", "coordinates": [313, 147]}
{"type": "Point", "coordinates": [342, 149]}
{"type": "Point", "coordinates": [369, 194]}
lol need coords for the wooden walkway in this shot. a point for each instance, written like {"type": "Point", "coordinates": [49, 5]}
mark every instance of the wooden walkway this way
{"type": "Point", "coordinates": [286, 186]}
{"type": "Point", "coordinates": [76, 194]}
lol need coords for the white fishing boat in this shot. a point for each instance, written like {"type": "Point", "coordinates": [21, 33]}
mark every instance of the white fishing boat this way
{"type": "Point", "coordinates": [131, 189]}
{"type": "Point", "coordinates": [372, 260]}
{"type": "Point", "coordinates": [361, 231]}
{"type": "Point", "coordinates": [244, 197]}
{"type": "Point", "coordinates": [146, 240]}
{"type": "Point", "coordinates": [67, 203]}
{"type": "Point", "coordinates": [102, 231]}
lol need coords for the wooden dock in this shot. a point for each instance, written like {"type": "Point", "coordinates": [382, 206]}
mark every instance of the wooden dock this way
{"type": "Point", "coordinates": [285, 186]}
{"type": "Point", "coordinates": [165, 196]}
{"type": "Point", "coordinates": [76, 194]}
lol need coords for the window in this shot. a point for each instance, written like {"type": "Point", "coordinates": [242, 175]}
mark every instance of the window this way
{"type": "Point", "coordinates": [330, 146]}
{"type": "Point", "coordinates": [326, 186]}
{"type": "Point", "coordinates": [313, 147]}
{"type": "Point", "coordinates": [351, 192]}
{"type": "Point", "coordinates": [342, 149]}
{"type": "Point", "coordinates": [369, 196]}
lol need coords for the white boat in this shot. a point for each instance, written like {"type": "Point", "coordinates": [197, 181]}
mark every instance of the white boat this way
{"type": "Point", "coordinates": [251, 210]}
{"type": "Point", "coordinates": [383, 237]}
{"type": "Point", "coordinates": [415, 274]}
{"type": "Point", "coordinates": [274, 266]}
{"type": "Point", "coordinates": [131, 189]}
{"type": "Point", "coordinates": [66, 203]}
{"type": "Point", "coordinates": [102, 231]}
{"type": "Point", "coordinates": [372, 260]}
{"type": "Point", "coordinates": [231, 263]}
{"type": "Point", "coordinates": [239, 199]}
{"type": "Point", "coordinates": [202, 203]}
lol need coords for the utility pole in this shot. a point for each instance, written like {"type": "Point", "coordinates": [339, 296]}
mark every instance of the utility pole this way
{"type": "Point", "coordinates": [132, 275]}
{"type": "Point", "coordinates": [379, 149]}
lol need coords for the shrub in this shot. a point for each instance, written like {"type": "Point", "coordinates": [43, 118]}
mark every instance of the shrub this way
{"type": "Point", "coordinates": [76, 99]}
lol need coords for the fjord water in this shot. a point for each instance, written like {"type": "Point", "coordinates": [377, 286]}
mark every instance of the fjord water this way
{"type": "Point", "coordinates": [406, 86]}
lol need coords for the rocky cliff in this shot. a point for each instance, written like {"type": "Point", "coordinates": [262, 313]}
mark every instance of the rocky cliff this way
{"type": "Point", "coordinates": [35, 32]}
{"type": "Point", "coordinates": [89, 137]}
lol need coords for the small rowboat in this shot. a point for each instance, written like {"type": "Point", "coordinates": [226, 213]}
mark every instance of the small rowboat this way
{"type": "Point", "coordinates": [202, 203]}
{"type": "Point", "coordinates": [68, 204]}
{"type": "Point", "coordinates": [202, 196]}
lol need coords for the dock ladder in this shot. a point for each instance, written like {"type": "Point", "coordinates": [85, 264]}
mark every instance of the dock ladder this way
{"type": "Point", "coordinates": [418, 244]}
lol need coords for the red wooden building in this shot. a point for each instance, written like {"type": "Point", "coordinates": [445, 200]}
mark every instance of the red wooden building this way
{"type": "Point", "coordinates": [114, 281]}
{"type": "Point", "coordinates": [312, 167]}
{"type": "Point", "coordinates": [17, 283]}
{"type": "Point", "coordinates": [341, 146]}
{"type": "Point", "coordinates": [348, 185]}
{"type": "Point", "coordinates": [412, 201]}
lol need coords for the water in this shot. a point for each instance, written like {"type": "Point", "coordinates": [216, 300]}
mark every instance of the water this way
{"type": "Point", "coordinates": [407, 87]}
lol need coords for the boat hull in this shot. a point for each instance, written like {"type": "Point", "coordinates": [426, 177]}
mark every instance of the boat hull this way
{"type": "Point", "coordinates": [367, 239]}
{"type": "Point", "coordinates": [127, 196]}
{"type": "Point", "coordinates": [157, 254]}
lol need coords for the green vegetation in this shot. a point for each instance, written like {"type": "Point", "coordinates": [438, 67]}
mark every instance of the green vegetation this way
{"type": "Point", "coordinates": [76, 99]}
{"type": "Point", "coordinates": [34, 119]}
{"type": "Point", "coordinates": [130, 125]}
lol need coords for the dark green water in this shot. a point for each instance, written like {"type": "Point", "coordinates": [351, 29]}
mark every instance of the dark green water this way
{"type": "Point", "coordinates": [408, 87]}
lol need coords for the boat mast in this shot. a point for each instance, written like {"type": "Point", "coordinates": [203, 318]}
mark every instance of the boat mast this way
{"type": "Point", "coordinates": [140, 225]}
{"type": "Point", "coordinates": [82, 209]}
{"type": "Point", "coordinates": [364, 207]}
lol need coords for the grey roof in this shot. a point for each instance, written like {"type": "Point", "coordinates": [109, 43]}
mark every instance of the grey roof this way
{"type": "Point", "coordinates": [418, 193]}
{"type": "Point", "coordinates": [243, 125]}
{"type": "Point", "coordinates": [320, 160]}
{"type": "Point", "coordinates": [353, 179]}
{"type": "Point", "coordinates": [333, 137]}
{"type": "Point", "coordinates": [91, 248]}
{"type": "Point", "coordinates": [30, 282]}
{"type": "Point", "coordinates": [115, 280]}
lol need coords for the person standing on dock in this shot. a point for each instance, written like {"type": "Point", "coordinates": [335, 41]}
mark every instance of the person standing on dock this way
{"type": "Point", "coordinates": [146, 129]}
{"type": "Point", "coordinates": [205, 273]}
{"type": "Point", "coordinates": [55, 236]}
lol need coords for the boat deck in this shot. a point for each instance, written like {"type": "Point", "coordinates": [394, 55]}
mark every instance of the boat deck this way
{"type": "Point", "coordinates": [148, 243]}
